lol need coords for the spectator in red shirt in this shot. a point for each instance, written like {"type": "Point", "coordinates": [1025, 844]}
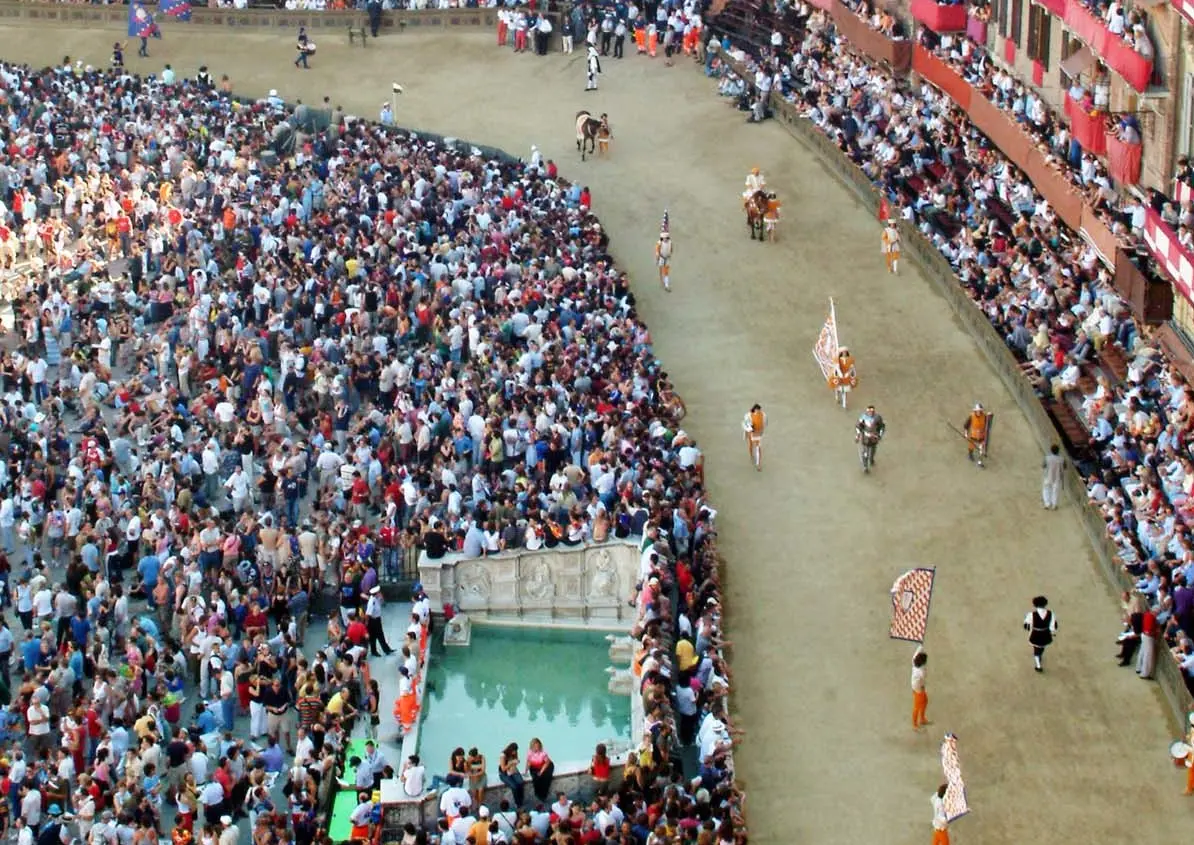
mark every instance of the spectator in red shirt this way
{"type": "Point", "coordinates": [357, 633]}
{"type": "Point", "coordinates": [360, 495]}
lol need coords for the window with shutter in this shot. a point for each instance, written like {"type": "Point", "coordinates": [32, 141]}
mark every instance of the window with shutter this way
{"type": "Point", "coordinates": [1039, 32]}
{"type": "Point", "coordinates": [1017, 21]}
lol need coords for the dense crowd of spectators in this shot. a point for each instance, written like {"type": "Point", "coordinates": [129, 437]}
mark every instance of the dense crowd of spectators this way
{"type": "Point", "coordinates": [238, 390]}
{"type": "Point", "coordinates": [1041, 285]}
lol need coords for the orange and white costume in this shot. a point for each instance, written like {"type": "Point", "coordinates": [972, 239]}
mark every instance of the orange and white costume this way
{"type": "Point", "coordinates": [1190, 758]}
{"type": "Point", "coordinates": [891, 246]}
{"type": "Point", "coordinates": [663, 258]}
{"type": "Point", "coordinates": [771, 217]}
{"type": "Point", "coordinates": [843, 376]}
{"type": "Point", "coordinates": [976, 428]}
{"type": "Point", "coordinates": [753, 424]}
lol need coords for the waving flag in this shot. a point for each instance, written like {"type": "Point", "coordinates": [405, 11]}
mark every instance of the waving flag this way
{"type": "Point", "coordinates": [911, 595]}
{"type": "Point", "coordinates": [955, 787]}
{"type": "Point", "coordinates": [177, 9]}
{"type": "Point", "coordinates": [825, 352]}
{"type": "Point", "coordinates": [141, 23]}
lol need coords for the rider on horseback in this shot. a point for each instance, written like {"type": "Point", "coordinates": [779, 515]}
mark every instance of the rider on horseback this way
{"type": "Point", "coordinates": [754, 183]}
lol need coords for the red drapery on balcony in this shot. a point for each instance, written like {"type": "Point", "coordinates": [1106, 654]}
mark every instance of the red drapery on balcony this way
{"type": "Point", "coordinates": [1124, 160]}
{"type": "Point", "coordinates": [1110, 47]}
{"type": "Point", "coordinates": [1175, 258]}
{"type": "Point", "coordinates": [1089, 130]}
{"type": "Point", "coordinates": [976, 29]}
{"type": "Point", "coordinates": [939, 17]}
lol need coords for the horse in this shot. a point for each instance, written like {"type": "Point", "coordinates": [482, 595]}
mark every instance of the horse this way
{"type": "Point", "coordinates": [588, 129]}
{"type": "Point", "coordinates": [756, 214]}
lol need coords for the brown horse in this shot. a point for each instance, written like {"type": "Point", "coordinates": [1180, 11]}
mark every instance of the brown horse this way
{"type": "Point", "coordinates": [756, 215]}
{"type": "Point", "coordinates": [588, 130]}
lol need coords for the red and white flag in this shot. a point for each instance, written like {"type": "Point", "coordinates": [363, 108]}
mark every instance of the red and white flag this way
{"type": "Point", "coordinates": [955, 787]}
{"type": "Point", "coordinates": [911, 596]}
{"type": "Point", "coordinates": [825, 352]}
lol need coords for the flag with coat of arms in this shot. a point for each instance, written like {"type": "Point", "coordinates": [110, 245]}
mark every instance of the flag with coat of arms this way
{"type": "Point", "coordinates": [141, 23]}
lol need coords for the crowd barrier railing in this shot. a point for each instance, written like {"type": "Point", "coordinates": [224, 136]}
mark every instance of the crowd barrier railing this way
{"type": "Point", "coordinates": [85, 14]}
{"type": "Point", "coordinates": [1007, 367]}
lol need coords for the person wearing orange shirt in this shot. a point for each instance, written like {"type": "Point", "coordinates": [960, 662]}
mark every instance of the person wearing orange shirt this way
{"type": "Point", "coordinates": [771, 215]}
{"type": "Point", "coordinates": [753, 425]}
{"type": "Point", "coordinates": [844, 377]}
{"type": "Point", "coordinates": [976, 428]}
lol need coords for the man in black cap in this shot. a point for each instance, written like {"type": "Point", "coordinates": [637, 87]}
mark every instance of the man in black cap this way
{"type": "Point", "coordinates": [1041, 625]}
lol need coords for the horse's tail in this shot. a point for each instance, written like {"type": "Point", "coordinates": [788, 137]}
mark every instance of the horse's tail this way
{"type": "Point", "coordinates": [583, 113]}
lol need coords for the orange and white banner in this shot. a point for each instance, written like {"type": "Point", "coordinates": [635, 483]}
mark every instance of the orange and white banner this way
{"type": "Point", "coordinates": [825, 352]}
{"type": "Point", "coordinates": [955, 788]}
{"type": "Point", "coordinates": [911, 598]}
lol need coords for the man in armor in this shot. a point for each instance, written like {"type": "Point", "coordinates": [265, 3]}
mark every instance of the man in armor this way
{"type": "Point", "coordinates": [870, 430]}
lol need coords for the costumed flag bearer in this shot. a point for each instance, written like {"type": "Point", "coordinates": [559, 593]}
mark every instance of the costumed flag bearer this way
{"type": "Point", "coordinates": [663, 254]}
{"type": "Point", "coordinates": [1041, 625]}
{"type": "Point", "coordinates": [594, 68]}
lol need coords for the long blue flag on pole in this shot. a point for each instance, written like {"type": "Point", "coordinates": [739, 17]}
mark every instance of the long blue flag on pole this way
{"type": "Point", "coordinates": [177, 9]}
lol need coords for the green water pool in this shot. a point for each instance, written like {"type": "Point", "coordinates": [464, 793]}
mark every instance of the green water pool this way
{"type": "Point", "coordinates": [514, 684]}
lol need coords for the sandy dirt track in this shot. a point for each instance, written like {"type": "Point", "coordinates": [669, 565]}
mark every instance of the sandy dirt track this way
{"type": "Point", "coordinates": [1077, 755]}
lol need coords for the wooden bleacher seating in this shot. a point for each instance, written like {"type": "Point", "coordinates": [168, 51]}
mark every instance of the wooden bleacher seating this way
{"type": "Point", "coordinates": [1074, 435]}
{"type": "Point", "coordinates": [1112, 358]}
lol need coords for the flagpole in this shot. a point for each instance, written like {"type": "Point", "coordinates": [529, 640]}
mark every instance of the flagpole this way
{"type": "Point", "coordinates": [833, 321]}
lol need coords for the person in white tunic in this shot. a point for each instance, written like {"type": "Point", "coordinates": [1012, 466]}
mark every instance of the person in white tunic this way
{"type": "Point", "coordinates": [594, 66]}
{"type": "Point", "coordinates": [1053, 466]}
